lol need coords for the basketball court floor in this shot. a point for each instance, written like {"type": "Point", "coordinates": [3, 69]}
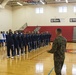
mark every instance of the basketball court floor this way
{"type": "Point", "coordinates": [38, 62]}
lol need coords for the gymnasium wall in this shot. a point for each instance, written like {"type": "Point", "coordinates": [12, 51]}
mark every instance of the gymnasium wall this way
{"type": "Point", "coordinates": [5, 18]}
{"type": "Point", "coordinates": [67, 31]}
{"type": "Point", "coordinates": [23, 14]}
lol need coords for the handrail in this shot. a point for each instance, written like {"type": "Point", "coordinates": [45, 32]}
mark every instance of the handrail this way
{"type": "Point", "coordinates": [24, 26]}
{"type": "Point", "coordinates": [37, 29]}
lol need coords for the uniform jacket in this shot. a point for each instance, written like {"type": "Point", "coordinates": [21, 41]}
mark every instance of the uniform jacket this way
{"type": "Point", "coordinates": [58, 48]}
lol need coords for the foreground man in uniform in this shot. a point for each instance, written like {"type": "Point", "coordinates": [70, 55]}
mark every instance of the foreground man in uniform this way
{"type": "Point", "coordinates": [58, 49]}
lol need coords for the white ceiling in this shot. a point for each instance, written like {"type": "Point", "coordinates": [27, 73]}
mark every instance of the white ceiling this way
{"type": "Point", "coordinates": [25, 2]}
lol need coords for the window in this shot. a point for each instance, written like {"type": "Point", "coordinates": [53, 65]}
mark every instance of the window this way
{"type": "Point", "coordinates": [63, 9]}
{"type": "Point", "coordinates": [39, 10]}
{"type": "Point", "coordinates": [74, 9]}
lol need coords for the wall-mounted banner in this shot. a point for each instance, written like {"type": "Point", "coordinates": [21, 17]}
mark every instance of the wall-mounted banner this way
{"type": "Point", "coordinates": [72, 19]}
{"type": "Point", "coordinates": [53, 20]}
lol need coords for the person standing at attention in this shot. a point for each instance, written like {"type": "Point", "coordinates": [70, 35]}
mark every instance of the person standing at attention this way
{"type": "Point", "coordinates": [10, 44]}
{"type": "Point", "coordinates": [58, 49]}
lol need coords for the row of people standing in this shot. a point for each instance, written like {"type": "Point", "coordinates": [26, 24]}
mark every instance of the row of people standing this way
{"type": "Point", "coordinates": [17, 42]}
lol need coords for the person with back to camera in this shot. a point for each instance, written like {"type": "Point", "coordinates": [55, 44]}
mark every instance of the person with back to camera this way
{"type": "Point", "coordinates": [10, 44]}
{"type": "Point", "coordinates": [58, 49]}
{"type": "Point", "coordinates": [16, 43]}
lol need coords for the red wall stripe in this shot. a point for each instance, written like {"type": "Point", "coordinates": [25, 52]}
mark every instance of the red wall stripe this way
{"type": "Point", "coordinates": [66, 30]}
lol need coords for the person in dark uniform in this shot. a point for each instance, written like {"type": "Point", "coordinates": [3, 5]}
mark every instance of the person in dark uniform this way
{"type": "Point", "coordinates": [20, 40]}
{"type": "Point", "coordinates": [46, 38]}
{"type": "Point", "coordinates": [24, 41]}
{"type": "Point", "coordinates": [49, 37]}
{"type": "Point", "coordinates": [35, 40]}
{"type": "Point", "coordinates": [10, 44]}
{"type": "Point", "coordinates": [16, 43]}
{"type": "Point", "coordinates": [28, 40]}
{"type": "Point", "coordinates": [41, 39]}
{"type": "Point", "coordinates": [58, 49]}
{"type": "Point", "coordinates": [38, 40]}
{"type": "Point", "coordinates": [32, 37]}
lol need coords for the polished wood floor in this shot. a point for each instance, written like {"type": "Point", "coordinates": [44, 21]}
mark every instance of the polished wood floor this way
{"type": "Point", "coordinates": [38, 62]}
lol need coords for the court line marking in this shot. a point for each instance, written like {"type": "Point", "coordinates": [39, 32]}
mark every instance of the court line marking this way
{"type": "Point", "coordinates": [51, 71]}
{"type": "Point", "coordinates": [38, 55]}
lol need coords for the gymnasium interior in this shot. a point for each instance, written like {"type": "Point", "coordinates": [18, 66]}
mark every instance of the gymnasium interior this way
{"type": "Point", "coordinates": [41, 16]}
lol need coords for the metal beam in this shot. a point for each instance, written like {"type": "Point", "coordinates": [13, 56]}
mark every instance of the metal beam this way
{"type": "Point", "coordinates": [3, 4]}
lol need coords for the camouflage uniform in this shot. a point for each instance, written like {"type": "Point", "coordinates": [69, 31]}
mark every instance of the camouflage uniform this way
{"type": "Point", "coordinates": [58, 48]}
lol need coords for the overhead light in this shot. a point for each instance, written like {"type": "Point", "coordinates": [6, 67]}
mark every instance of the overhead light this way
{"type": "Point", "coordinates": [57, 0]}
{"type": "Point", "coordinates": [42, 2]}
{"type": "Point", "coordinates": [66, 1]}
{"type": "Point", "coordinates": [19, 3]}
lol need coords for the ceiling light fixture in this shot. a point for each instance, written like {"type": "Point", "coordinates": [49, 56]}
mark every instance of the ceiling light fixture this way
{"type": "Point", "coordinates": [57, 0]}
{"type": "Point", "coordinates": [42, 2]}
{"type": "Point", "coordinates": [66, 1]}
{"type": "Point", "coordinates": [19, 3]}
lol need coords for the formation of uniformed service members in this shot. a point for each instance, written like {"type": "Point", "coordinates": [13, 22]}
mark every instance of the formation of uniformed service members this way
{"type": "Point", "coordinates": [17, 42]}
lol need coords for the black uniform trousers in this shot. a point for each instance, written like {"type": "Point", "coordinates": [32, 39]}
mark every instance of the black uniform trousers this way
{"type": "Point", "coordinates": [24, 47]}
{"type": "Point", "coordinates": [21, 47]}
{"type": "Point", "coordinates": [58, 66]}
{"type": "Point", "coordinates": [10, 48]}
{"type": "Point", "coordinates": [16, 50]}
